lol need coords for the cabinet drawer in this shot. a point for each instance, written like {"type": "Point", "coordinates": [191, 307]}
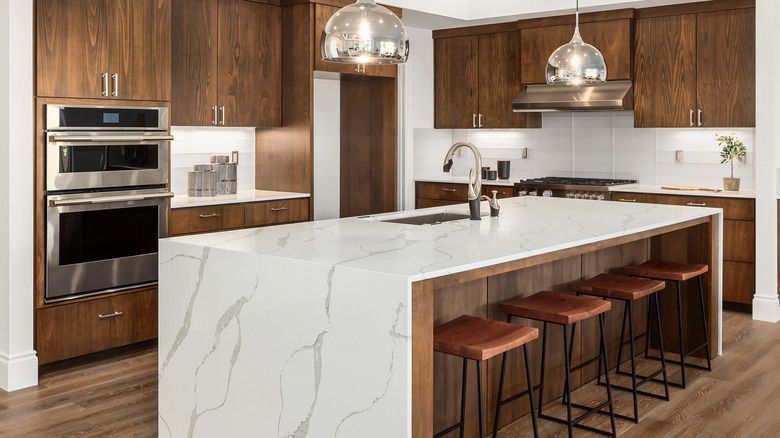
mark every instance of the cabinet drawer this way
{"type": "Point", "coordinates": [86, 327]}
{"type": "Point", "coordinates": [428, 203]}
{"type": "Point", "coordinates": [202, 219]}
{"type": "Point", "coordinates": [739, 282]}
{"type": "Point", "coordinates": [736, 209]}
{"type": "Point", "coordinates": [276, 212]}
{"type": "Point", "coordinates": [447, 192]}
{"type": "Point", "coordinates": [503, 191]}
{"type": "Point", "coordinates": [628, 197]}
{"type": "Point", "coordinates": [739, 241]}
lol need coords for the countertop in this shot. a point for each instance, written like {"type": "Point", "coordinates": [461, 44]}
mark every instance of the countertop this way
{"type": "Point", "coordinates": [184, 201]}
{"type": "Point", "coordinates": [527, 226]}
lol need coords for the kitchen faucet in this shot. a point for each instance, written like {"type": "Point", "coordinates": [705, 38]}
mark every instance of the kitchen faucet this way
{"type": "Point", "coordinates": [475, 187]}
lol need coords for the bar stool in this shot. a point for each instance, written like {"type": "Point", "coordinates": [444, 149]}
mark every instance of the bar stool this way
{"type": "Point", "coordinates": [479, 339]}
{"type": "Point", "coordinates": [629, 289]}
{"type": "Point", "coordinates": [678, 272]}
{"type": "Point", "coordinates": [565, 310]}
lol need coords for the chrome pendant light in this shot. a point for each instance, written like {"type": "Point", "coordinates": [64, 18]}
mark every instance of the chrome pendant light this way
{"type": "Point", "coordinates": [576, 63]}
{"type": "Point", "coordinates": [365, 33]}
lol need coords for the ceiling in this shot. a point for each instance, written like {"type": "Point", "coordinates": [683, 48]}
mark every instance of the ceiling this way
{"type": "Point", "coordinates": [439, 14]}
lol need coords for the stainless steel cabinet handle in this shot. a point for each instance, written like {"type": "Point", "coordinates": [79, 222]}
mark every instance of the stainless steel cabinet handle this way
{"type": "Point", "coordinates": [222, 111]}
{"type": "Point", "coordinates": [113, 315]}
{"type": "Point", "coordinates": [691, 117]}
{"type": "Point", "coordinates": [215, 122]}
{"type": "Point", "coordinates": [480, 120]}
{"type": "Point", "coordinates": [115, 77]}
{"type": "Point", "coordinates": [693, 204]}
{"type": "Point", "coordinates": [105, 84]}
{"type": "Point", "coordinates": [699, 117]}
{"type": "Point", "coordinates": [279, 209]}
{"type": "Point", "coordinates": [109, 138]}
{"type": "Point", "coordinates": [473, 120]}
{"type": "Point", "coordinates": [107, 199]}
{"type": "Point", "coordinates": [626, 200]}
{"type": "Point", "coordinates": [450, 190]}
{"type": "Point", "coordinates": [501, 193]}
{"type": "Point", "coordinates": [208, 216]}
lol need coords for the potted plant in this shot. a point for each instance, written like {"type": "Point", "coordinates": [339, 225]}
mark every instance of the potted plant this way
{"type": "Point", "coordinates": [731, 149]}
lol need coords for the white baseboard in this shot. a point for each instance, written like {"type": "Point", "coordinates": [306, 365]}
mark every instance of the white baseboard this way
{"type": "Point", "coordinates": [18, 371]}
{"type": "Point", "coordinates": [766, 308]}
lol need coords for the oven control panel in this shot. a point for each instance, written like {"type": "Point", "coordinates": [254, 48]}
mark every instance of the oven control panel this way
{"type": "Point", "coordinates": [563, 193]}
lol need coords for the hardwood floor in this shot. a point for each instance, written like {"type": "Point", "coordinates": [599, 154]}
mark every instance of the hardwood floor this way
{"type": "Point", "coordinates": [118, 397]}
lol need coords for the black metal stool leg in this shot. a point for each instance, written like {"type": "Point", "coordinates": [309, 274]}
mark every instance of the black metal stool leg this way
{"type": "Point", "coordinates": [530, 393]}
{"type": "Point", "coordinates": [680, 327]}
{"type": "Point", "coordinates": [571, 353]}
{"type": "Point", "coordinates": [567, 385]}
{"type": "Point", "coordinates": [463, 396]}
{"type": "Point", "coordinates": [654, 298]}
{"type": "Point", "coordinates": [479, 390]}
{"type": "Point", "coordinates": [622, 337]}
{"type": "Point", "coordinates": [630, 308]}
{"type": "Point", "coordinates": [704, 324]}
{"type": "Point", "coordinates": [606, 376]}
{"type": "Point", "coordinates": [500, 390]}
{"type": "Point", "coordinates": [647, 328]}
{"type": "Point", "coordinates": [541, 373]}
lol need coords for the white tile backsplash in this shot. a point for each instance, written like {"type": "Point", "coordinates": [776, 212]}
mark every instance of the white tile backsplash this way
{"type": "Point", "coordinates": [599, 145]}
{"type": "Point", "coordinates": [194, 145]}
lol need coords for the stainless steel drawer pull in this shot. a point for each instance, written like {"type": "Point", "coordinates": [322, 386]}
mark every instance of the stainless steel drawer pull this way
{"type": "Point", "coordinates": [693, 204]}
{"type": "Point", "coordinates": [450, 190]}
{"type": "Point", "coordinates": [501, 193]}
{"type": "Point", "coordinates": [279, 209]}
{"type": "Point", "coordinates": [626, 200]}
{"type": "Point", "coordinates": [208, 216]}
{"type": "Point", "coordinates": [113, 315]}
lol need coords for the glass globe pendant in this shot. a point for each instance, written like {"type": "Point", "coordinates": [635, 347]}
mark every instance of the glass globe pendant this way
{"type": "Point", "coordinates": [576, 63]}
{"type": "Point", "coordinates": [365, 33]}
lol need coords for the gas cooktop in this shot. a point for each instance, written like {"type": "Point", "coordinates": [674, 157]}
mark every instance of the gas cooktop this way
{"type": "Point", "coordinates": [570, 181]}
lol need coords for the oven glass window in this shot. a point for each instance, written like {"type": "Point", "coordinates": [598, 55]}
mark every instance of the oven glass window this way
{"type": "Point", "coordinates": [89, 236]}
{"type": "Point", "coordinates": [76, 159]}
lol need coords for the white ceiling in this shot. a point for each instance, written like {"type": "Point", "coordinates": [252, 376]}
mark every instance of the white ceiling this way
{"type": "Point", "coordinates": [439, 14]}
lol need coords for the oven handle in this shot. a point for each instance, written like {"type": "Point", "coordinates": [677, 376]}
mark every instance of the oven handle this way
{"type": "Point", "coordinates": [110, 138]}
{"type": "Point", "coordinates": [88, 201]}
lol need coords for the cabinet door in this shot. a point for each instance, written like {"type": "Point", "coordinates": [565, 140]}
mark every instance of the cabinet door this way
{"type": "Point", "coordinates": [250, 59]}
{"type": "Point", "coordinates": [499, 82]}
{"type": "Point", "coordinates": [726, 44]}
{"type": "Point", "coordinates": [72, 47]}
{"type": "Point", "coordinates": [456, 99]}
{"type": "Point", "coordinates": [140, 49]}
{"type": "Point", "coordinates": [537, 45]}
{"type": "Point", "coordinates": [194, 63]}
{"type": "Point", "coordinates": [665, 72]}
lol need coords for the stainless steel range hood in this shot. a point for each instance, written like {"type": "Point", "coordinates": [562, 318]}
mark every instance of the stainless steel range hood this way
{"type": "Point", "coordinates": [611, 96]}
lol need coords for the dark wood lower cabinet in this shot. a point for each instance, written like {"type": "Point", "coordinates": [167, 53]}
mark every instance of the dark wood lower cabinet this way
{"type": "Point", "coordinates": [75, 329]}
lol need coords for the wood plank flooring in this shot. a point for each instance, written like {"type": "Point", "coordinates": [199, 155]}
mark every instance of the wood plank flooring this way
{"type": "Point", "coordinates": [739, 398]}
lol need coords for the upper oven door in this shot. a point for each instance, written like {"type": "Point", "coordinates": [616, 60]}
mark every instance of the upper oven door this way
{"type": "Point", "coordinates": [101, 242]}
{"type": "Point", "coordinates": [105, 160]}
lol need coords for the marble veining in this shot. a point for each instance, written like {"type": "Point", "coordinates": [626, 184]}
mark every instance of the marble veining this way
{"type": "Point", "coordinates": [304, 330]}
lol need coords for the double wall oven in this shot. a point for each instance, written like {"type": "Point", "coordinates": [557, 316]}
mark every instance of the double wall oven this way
{"type": "Point", "coordinates": [107, 198]}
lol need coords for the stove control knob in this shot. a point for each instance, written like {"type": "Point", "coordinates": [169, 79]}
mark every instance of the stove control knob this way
{"type": "Point", "coordinates": [600, 197]}
{"type": "Point", "coordinates": [532, 193]}
{"type": "Point", "coordinates": [569, 195]}
{"type": "Point", "coordinates": [547, 193]}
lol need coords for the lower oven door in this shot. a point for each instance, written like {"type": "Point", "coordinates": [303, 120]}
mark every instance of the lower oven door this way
{"type": "Point", "coordinates": [103, 242]}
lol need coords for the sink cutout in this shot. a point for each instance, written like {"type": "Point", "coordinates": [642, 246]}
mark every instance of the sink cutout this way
{"type": "Point", "coordinates": [428, 219]}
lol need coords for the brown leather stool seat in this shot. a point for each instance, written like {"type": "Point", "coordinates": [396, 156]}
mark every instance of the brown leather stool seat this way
{"type": "Point", "coordinates": [565, 310]}
{"type": "Point", "coordinates": [678, 272]}
{"type": "Point", "coordinates": [629, 289]}
{"type": "Point", "coordinates": [480, 339]}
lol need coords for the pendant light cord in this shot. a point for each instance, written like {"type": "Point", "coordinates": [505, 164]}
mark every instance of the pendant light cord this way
{"type": "Point", "coordinates": [577, 15]}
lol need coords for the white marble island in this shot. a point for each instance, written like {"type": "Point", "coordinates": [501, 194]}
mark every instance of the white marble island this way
{"type": "Point", "coordinates": [309, 329]}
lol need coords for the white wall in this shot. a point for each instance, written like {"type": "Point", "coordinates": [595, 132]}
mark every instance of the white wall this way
{"type": "Point", "coordinates": [765, 301]}
{"type": "Point", "coordinates": [18, 362]}
{"type": "Point", "coordinates": [195, 145]}
{"type": "Point", "coordinates": [593, 145]}
{"type": "Point", "coordinates": [327, 147]}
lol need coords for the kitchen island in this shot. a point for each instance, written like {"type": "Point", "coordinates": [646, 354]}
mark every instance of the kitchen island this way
{"type": "Point", "coordinates": [325, 328]}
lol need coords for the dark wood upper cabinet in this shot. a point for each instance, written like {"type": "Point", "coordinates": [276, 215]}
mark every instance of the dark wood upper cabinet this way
{"type": "Point", "coordinates": [113, 49]}
{"type": "Point", "coordinates": [612, 38]}
{"type": "Point", "coordinates": [695, 70]}
{"type": "Point", "coordinates": [476, 78]}
{"type": "Point", "coordinates": [726, 74]}
{"type": "Point", "coordinates": [665, 85]}
{"type": "Point", "coordinates": [227, 57]}
{"type": "Point", "coordinates": [322, 14]}
{"type": "Point", "coordinates": [456, 82]}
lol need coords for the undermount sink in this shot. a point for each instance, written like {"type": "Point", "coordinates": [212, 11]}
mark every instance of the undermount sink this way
{"type": "Point", "coordinates": [420, 218]}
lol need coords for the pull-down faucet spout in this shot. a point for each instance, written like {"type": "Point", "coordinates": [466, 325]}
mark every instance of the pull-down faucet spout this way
{"type": "Point", "coordinates": [475, 187]}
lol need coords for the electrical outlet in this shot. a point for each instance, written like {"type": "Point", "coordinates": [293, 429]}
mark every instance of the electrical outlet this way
{"type": "Point", "coordinates": [525, 153]}
{"type": "Point", "coordinates": [743, 160]}
{"type": "Point", "coordinates": [459, 153]}
{"type": "Point", "coordinates": [678, 156]}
